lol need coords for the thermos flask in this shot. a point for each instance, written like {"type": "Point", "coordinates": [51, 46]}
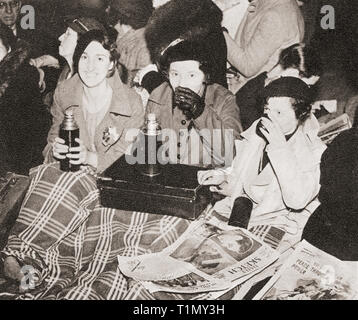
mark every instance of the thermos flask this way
{"type": "Point", "coordinates": [69, 131]}
{"type": "Point", "coordinates": [151, 132]}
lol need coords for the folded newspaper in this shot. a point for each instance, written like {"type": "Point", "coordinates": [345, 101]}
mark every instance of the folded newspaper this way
{"type": "Point", "coordinates": [312, 274]}
{"type": "Point", "coordinates": [334, 127]}
{"type": "Point", "coordinates": [206, 258]}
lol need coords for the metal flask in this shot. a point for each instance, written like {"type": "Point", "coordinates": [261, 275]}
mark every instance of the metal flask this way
{"type": "Point", "coordinates": [69, 131]}
{"type": "Point", "coordinates": [151, 133]}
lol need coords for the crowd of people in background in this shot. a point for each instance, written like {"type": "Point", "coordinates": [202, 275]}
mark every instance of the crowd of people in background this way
{"type": "Point", "coordinates": [183, 61]}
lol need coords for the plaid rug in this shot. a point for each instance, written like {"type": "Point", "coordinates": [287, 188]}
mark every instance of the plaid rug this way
{"type": "Point", "coordinates": [71, 242]}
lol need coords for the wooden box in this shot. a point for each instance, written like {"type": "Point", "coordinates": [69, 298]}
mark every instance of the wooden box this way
{"type": "Point", "coordinates": [175, 191]}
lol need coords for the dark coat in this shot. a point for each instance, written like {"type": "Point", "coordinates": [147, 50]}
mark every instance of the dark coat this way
{"type": "Point", "coordinates": [249, 101]}
{"type": "Point", "coordinates": [334, 226]}
{"type": "Point", "coordinates": [24, 122]}
{"type": "Point", "coordinates": [41, 43]}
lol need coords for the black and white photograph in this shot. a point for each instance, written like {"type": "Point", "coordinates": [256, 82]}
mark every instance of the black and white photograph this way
{"type": "Point", "coordinates": [216, 136]}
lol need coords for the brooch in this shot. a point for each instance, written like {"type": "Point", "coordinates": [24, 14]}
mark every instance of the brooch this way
{"type": "Point", "coordinates": [110, 136]}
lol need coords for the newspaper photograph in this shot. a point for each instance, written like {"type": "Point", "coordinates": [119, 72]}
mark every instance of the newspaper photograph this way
{"type": "Point", "coordinates": [312, 274]}
{"type": "Point", "coordinates": [205, 258]}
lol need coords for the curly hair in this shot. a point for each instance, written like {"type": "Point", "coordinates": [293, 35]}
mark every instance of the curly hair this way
{"type": "Point", "coordinates": [302, 109]}
{"type": "Point", "coordinates": [106, 38]}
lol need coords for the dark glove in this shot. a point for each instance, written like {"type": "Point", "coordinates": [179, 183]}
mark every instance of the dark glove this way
{"type": "Point", "coordinates": [189, 102]}
{"type": "Point", "coordinates": [152, 80]}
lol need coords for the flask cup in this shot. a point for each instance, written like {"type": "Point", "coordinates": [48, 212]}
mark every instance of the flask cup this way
{"type": "Point", "coordinates": [241, 212]}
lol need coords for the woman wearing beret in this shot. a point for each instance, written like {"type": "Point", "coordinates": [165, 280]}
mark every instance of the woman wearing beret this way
{"type": "Point", "coordinates": [298, 60]}
{"type": "Point", "coordinates": [274, 178]}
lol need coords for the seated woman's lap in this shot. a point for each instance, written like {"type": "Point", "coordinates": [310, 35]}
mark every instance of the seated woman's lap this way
{"type": "Point", "coordinates": [132, 233]}
{"type": "Point", "coordinates": [63, 227]}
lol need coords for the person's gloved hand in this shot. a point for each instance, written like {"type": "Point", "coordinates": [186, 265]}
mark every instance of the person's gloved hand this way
{"type": "Point", "coordinates": [189, 102]}
{"type": "Point", "coordinates": [142, 72]}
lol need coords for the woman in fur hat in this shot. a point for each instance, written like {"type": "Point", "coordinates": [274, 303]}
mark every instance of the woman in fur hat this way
{"type": "Point", "coordinates": [198, 20]}
{"type": "Point", "coordinates": [24, 121]}
{"type": "Point", "coordinates": [190, 104]}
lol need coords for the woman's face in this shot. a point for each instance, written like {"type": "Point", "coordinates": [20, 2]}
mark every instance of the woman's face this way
{"type": "Point", "coordinates": [188, 75]}
{"type": "Point", "coordinates": [3, 51]}
{"type": "Point", "coordinates": [68, 42]}
{"type": "Point", "coordinates": [284, 113]}
{"type": "Point", "coordinates": [94, 64]}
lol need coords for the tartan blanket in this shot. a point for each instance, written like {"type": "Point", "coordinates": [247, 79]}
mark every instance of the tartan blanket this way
{"type": "Point", "coordinates": [72, 242]}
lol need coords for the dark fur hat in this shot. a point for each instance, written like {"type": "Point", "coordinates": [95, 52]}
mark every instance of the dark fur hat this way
{"type": "Point", "coordinates": [131, 12]}
{"type": "Point", "coordinates": [185, 19]}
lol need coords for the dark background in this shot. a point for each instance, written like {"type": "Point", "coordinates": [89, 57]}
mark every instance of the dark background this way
{"type": "Point", "coordinates": [338, 48]}
{"type": "Point", "coordinates": [337, 45]}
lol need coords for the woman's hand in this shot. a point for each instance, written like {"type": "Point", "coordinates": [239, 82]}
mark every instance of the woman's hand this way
{"type": "Point", "coordinates": [80, 155]}
{"type": "Point", "coordinates": [272, 132]}
{"type": "Point", "coordinates": [217, 180]}
{"type": "Point", "coordinates": [59, 149]}
{"type": "Point", "coordinates": [142, 72]}
{"type": "Point", "coordinates": [211, 177]}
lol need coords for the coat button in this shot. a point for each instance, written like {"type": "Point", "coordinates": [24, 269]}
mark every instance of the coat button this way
{"type": "Point", "coordinates": [183, 122]}
{"type": "Point", "coordinates": [179, 144]}
{"type": "Point", "coordinates": [178, 156]}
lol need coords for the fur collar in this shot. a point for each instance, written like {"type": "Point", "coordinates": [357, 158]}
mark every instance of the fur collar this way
{"type": "Point", "coordinates": [12, 62]}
